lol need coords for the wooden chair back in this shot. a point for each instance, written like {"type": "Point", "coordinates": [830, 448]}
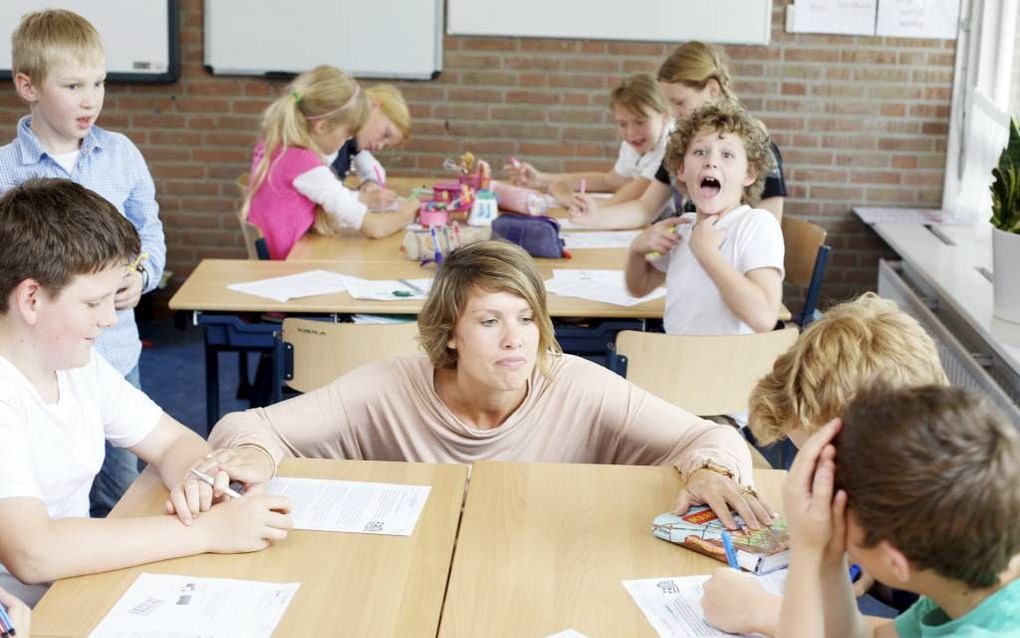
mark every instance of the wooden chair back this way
{"type": "Point", "coordinates": [705, 375]}
{"type": "Point", "coordinates": [323, 350]}
{"type": "Point", "coordinates": [802, 239]}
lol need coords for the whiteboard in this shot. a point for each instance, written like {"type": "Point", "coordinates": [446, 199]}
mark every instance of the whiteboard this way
{"type": "Point", "coordinates": [721, 21]}
{"type": "Point", "coordinates": [367, 38]}
{"type": "Point", "coordinates": [140, 36]}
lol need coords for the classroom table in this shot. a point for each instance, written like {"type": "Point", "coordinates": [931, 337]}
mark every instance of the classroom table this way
{"type": "Point", "coordinates": [544, 547]}
{"type": "Point", "coordinates": [351, 584]}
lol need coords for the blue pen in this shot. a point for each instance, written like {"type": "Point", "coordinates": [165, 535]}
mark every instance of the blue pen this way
{"type": "Point", "coordinates": [731, 554]}
{"type": "Point", "coordinates": [5, 620]}
{"type": "Point", "coordinates": [435, 245]}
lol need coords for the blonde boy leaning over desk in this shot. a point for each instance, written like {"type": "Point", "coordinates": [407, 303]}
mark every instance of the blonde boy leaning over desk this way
{"type": "Point", "coordinates": [932, 509]}
{"type": "Point", "coordinates": [67, 250]}
{"type": "Point", "coordinates": [854, 343]}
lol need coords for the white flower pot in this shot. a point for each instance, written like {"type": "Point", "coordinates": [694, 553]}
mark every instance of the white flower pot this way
{"type": "Point", "coordinates": [1006, 275]}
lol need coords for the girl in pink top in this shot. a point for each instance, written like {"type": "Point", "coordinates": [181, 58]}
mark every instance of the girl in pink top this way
{"type": "Point", "coordinates": [292, 189]}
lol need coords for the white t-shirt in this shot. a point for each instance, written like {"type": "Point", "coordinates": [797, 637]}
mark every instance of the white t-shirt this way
{"type": "Point", "coordinates": [694, 305]}
{"type": "Point", "coordinates": [53, 451]}
{"type": "Point", "coordinates": [631, 164]}
{"type": "Point", "coordinates": [67, 161]}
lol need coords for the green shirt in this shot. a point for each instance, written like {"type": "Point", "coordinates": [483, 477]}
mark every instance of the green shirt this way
{"type": "Point", "coordinates": [997, 615]}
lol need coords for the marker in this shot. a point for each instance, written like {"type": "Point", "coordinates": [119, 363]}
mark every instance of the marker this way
{"type": "Point", "coordinates": [731, 554]}
{"type": "Point", "coordinates": [456, 233]}
{"type": "Point", "coordinates": [652, 256]}
{"type": "Point", "coordinates": [133, 266]}
{"type": "Point", "coordinates": [435, 245]}
{"type": "Point", "coordinates": [515, 162]}
{"type": "Point", "coordinates": [379, 176]}
{"type": "Point", "coordinates": [855, 572]}
{"type": "Point", "coordinates": [208, 480]}
{"type": "Point", "coordinates": [412, 286]}
{"type": "Point", "coordinates": [5, 622]}
{"type": "Point", "coordinates": [584, 185]}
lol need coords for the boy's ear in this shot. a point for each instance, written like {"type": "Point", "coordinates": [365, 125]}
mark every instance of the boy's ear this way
{"type": "Point", "coordinates": [896, 562]}
{"type": "Point", "coordinates": [752, 175]}
{"type": "Point", "coordinates": [25, 300]}
{"type": "Point", "coordinates": [25, 89]}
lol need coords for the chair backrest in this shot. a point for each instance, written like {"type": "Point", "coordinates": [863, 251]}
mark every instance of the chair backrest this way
{"type": "Point", "coordinates": [323, 350]}
{"type": "Point", "coordinates": [254, 243]}
{"type": "Point", "coordinates": [805, 261]}
{"type": "Point", "coordinates": [704, 375]}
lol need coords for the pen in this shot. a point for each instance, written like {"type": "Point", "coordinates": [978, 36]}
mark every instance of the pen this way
{"type": "Point", "coordinates": [6, 626]}
{"type": "Point", "coordinates": [456, 233]}
{"type": "Point", "coordinates": [446, 236]}
{"type": "Point", "coordinates": [584, 185]}
{"type": "Point", "coordinates": [435, 245]}
{"type": "Point", "coordinates": [652, 256]}
{"type": "Point", "coordinates": [208, 480]}
{"type": "Point", "coordinates": [133, 266]}
{"type": "Point", "coordinates": [731, 554]}
{"type": "Point", "coordinates": [855, 572]}
{"type": "Point", "coordinates": [379, 176]}
{"type": "Point", "coordinates": [416, 288]}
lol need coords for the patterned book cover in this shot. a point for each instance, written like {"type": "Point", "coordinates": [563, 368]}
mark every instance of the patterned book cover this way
{"type": "Point", "coordinates": [759, 551]}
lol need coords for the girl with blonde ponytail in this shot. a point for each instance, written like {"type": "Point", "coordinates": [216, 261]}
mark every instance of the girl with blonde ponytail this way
{"type": "Point", "coordinates": [292, 189]}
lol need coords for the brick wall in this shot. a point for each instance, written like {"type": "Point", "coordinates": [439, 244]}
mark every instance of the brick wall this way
{"type": "Point", "coordinates": [858, 119]}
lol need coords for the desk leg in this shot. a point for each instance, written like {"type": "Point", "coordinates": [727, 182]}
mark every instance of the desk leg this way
{"type": "Point", "coordinates": [212, 387]}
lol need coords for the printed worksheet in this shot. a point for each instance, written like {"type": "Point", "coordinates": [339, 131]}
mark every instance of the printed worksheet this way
{"type": "Point", "coordinates": [600, 239]}
{"type": "Point", "coordinates": [352, 506]}
{"type": "Point", "coordinates": [160, 605]}
{"type": "Point", "coordinates": [305, 284]}
{"type": "Point", "coordinates": [606, 286]}
{"type": "Point", "coordinates": [673, 605]}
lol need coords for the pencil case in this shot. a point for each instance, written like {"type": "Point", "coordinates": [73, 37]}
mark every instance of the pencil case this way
{"type": "Point", "coordinates": [538, 235]}
{"type": "Point", "coordinates": [418, 245]}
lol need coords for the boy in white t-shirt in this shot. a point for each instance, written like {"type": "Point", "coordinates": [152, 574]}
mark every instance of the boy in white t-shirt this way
{"type": "Point", "coordinates": [66, 253]}
{"type": "Point", "coordinates": [723, 267]}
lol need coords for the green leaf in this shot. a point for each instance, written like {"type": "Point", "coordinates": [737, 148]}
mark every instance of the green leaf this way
{"type": "Point", "coordinates": [1006, 187]}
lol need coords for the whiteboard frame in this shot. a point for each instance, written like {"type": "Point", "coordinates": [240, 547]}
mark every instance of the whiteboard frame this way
{"type": "Point", "coordinates": [173, 70]}
{"type": "Point", "coordinates": [480, 18]}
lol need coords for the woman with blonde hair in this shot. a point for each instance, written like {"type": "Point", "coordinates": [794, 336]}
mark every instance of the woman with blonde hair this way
{"type": "Point", "coordinates": [493, 384]}
{"type": "Point", "coordinates": [292, 188]}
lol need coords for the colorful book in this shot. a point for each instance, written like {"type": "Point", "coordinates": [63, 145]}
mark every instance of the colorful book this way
{"type": "Point", "coordinates": [759, 551]}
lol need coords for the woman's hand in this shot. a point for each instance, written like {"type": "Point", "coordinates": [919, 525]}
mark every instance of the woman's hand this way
{"type": "Point", "coordinates": [724, 495]}
{"type": "Point", "coordinates": [247, 464]}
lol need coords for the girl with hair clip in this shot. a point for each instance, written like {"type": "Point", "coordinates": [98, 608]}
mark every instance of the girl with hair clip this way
{"type": "Point", "coordinates": [389, 124]}
{"type": "Point", "coordinates": [643, 120]}
{"type": "Point", "coordinates": [292, 188]}
{"type": "Point", "coordinates": [694, 75]}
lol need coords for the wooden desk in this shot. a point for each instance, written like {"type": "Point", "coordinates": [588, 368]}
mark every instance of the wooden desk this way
{"type": "Point", "coordinates": [544, 547]}
{"type": "Point", "coordinates": [206, 290]}
{"type": "Point", "coordinates": [366, 585]}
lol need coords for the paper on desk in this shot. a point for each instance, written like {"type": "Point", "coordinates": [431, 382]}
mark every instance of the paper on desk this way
{"type": "Point", "coordinates": [192, 607]}
{"type": "Point", "coordinates": [352, 506]}
{"type": "Point", "coordinates": [673, 605]}
{"type": "Point", "coordinates": [394, 205]}
{"type": "Point", "coordinates": [606, 286]}
{"type": "Point", "coordinates": [600, 239]}
{"type": "Point", "coordinates": [304, 284]}
{"type": "Point", "coordinates": [383, 289]}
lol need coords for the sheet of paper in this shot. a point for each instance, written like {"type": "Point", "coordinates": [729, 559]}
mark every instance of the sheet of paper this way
{"type": "Point", "coordinates": [352, 506]}
{"type": "Point", "coordinates": [606, 286]}
{"type": "Point", "coordinates": [394, 205]}
{"type": "Point", "coordinates": [600, 239]}
{"type": "Point", "coordinates": [846, 17]}
{"type": "Point", "coordinates": [388, 289]}
{"type": "Point", "coordinates": [381, 319]}
{"type": "Point", "coordinates": [159, 605]}
{"type": "Point", "coordinates": [567, 633]}
{"type": "Point", "coordinates": [305, 284]}
{"type": "Point", "coordinates": [937, 19]}
{"type": "Point", "coordinates": [673, 605]}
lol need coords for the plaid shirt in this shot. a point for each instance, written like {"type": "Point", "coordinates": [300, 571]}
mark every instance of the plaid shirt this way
{"type": "Point", "coordinates": [111, 165]}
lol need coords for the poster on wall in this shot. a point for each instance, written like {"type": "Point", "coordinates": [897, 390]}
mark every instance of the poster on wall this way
{"type": "Point", "coordinates": [937, 19]}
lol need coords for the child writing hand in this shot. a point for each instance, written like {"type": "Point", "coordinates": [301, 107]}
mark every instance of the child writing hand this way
{"type": "Point", "coordinates": [643, 122]}
{"type": "Point", "coordinates": [320, 111]}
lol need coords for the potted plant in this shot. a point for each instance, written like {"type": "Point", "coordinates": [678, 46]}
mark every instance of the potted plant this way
{"type": "Point", "coordinates": [1006, 230]}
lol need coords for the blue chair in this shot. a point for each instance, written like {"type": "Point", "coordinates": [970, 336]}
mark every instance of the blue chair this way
{"type": "Point", "coordinates": [806, 258]}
